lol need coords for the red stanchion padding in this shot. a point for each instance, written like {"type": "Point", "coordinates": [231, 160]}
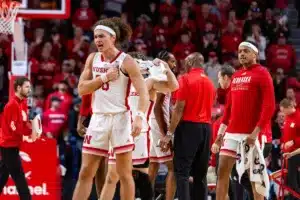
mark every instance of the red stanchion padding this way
{"type": "Point", "coordinates": [40, 163]}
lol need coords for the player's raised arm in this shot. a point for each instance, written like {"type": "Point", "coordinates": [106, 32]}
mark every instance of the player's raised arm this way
{"type": "Point", "coordinates": [138, 82]}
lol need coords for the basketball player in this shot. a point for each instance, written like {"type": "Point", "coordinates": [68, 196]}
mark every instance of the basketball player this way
{"type": "Point", "coordinates": [249, 108]}
{"type": "Point", "coordinates": [82, 124]}
{"type": "Point", "coordinates": [159, 125]}
{"type": "Point", "coordinates": [108, 74]}
{"type": "Point", "coordinates": [140, 154]}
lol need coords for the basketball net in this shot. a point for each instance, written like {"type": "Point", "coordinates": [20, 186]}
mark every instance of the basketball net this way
{"type": "Point", "coordinates": [10, 26]}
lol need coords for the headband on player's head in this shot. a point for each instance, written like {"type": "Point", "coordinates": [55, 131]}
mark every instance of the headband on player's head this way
{"type": "Point", "coordinates": [249, 45]}
{"type": "Point", "coordinates": [105, 28]}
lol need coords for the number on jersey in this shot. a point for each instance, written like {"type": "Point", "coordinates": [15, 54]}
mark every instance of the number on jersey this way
{"type": "Point", "coordinates": [105, 86]}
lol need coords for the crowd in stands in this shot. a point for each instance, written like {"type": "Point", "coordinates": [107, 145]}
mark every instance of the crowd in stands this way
{"type": "Point", "coordinates": [58, 49]}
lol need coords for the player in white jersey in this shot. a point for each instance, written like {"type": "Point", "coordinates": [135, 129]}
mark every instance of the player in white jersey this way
{"type": "Point", "coordinates": [155, 82]}
{"type": "Point", "coordinates": [107, 75]}
{"type": "Point", "coordinates": [159, 123]}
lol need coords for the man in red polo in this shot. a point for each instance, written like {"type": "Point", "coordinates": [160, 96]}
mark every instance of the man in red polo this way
{"type": "Point", "coordinates": [190, 122]}
{"type": "Point", "coordinates": [291, 142]}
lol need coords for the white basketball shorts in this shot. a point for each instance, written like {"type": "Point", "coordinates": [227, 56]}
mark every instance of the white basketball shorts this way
{"type": "Point", "coordinates": [230, 143]}
{"type": "Point", "coordinates": [108, 130]}
{"type": "Point", "coordinates": [140, 153]}
{"type": "Point", "coordinates": [156, 155]}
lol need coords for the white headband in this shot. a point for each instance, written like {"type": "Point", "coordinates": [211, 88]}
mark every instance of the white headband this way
{"type": "Point", "coordinates": [105, 28]}
{"type": "Point", "coordinates": [249, 45]}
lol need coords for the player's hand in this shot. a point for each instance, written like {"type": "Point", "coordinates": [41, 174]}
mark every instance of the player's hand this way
{"type": "Point", "coordinates": [250, 140]}
{"type": "Point", "coordinates": [137, 126]}
{"type": "Point", "coordinates": [34, 136]}
{"type": "Point", "coordinates": [112, 73]}
{"type": "Point", "coordinates": [287, 155]}
{"type": "Point", "coordinates": [164, 142]}
{"type": "Point", "coordinates": [288, 144]}
{"type": "Point", "coordinates": [81, 130]}
{"type": "Point", "coordinates": [215, 148]}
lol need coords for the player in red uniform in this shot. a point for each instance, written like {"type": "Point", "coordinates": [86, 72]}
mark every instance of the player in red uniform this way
{"type": "Point", "coordinates": [249, 108]}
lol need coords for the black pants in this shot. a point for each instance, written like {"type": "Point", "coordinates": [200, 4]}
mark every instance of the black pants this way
{"type": "Point", "coordinates": [191, 155]}
{"type": "Point", "coordinates": [10, 164]}
{"type": "Point", "coordinates": [293, 174]}
{"type": "Point", "coordinates": [244, 189]}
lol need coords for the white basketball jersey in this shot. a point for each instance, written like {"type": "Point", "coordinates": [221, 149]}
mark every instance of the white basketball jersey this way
{"type": "Point", "coordinates": [112, 97]}
{"type": "Point", "coordinates": [133, 104]}
{"type": "Point", "coordinates": [166, 108]}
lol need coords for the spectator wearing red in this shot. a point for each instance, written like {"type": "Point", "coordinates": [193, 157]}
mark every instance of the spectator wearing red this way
{"type": "Point", "coordinates": [294, 82]}
{"type": "Point", "coordinates": [232, 18]}
{"type": "Point", "coordinates": [54, 120]}
{"type": "Point", "coordinates": [184, 47]}
{"type": "Point", "coordinates": [67, 75]}
{"type": "Point", "coordinates": [48, 68]}
{"type": "Point", "coordinates": [291, 141]}
{"type": "Point", "coordinates": [78, 47]}
{"type": "Point", "coordinates": [211, 44]}
{"type": "Point", "coordinates": [191, 121]}
{"type": "Point", "coordinates": [281, 55]}
{"type": "Point", "coordinates": [143, 30]}
{"type": "Point", "coordinates": [84, 17]}
{"type": "Point", "coordinates": [168, 8]}
{"type": "Point", "coordinates": [162, 34]}
{"type": "Point", "coordinates": [204, 15]}
{"type": "Point", "coordinates": [63, 95]}
{"type": "Point", "coordinates": [184, 23]}
{"type": "Point", "coordinates": [230, 40]}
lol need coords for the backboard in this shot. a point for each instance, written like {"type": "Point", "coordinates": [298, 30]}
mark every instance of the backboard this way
{"type": "Point", "coordinates": [45, 9]}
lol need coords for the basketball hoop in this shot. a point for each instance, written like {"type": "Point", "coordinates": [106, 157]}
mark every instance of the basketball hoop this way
{"type": "Point", "coordinates": [8, 13]}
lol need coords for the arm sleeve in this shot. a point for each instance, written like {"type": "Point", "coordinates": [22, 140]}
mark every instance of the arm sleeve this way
{"type": "Point", "coordinates": [181, 93]}
{"type": "Point", "coordinates": [227, 109]}
{"type": "Point", "coordinates": [297, 138]}
{"type": "Point", "coordinates": [268, 100]}
{"type": "Point", "coordinates": [85, 106]}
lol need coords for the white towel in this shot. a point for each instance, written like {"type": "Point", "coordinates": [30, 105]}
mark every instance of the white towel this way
{"type": "Point", "coordinates": [252, 159]}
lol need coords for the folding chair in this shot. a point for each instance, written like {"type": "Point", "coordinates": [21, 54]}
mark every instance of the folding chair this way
{"type": "Point", "coordinates": [279, 177]}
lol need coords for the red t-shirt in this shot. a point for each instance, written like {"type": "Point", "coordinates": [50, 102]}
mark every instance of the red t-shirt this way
{"type": "Point", "coordinates": [291, 131]}
{"type": "Point", "coordinates": [66, 101]}
{"type": "Point", "coordinates": [54, 122]}
{"type": "Point", "coordinates": [198, 92]}
{"type": "Point", "coordinates": [15, 123]}
{"type": "Point", "coordinates": [250, 100]}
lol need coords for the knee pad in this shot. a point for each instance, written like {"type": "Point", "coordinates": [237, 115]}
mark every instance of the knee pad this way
{"type": "Point", "coordinates": [143, 185]}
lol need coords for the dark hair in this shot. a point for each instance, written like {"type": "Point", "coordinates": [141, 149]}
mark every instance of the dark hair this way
{"type": "Point", "coordinates": [252, 43]}
{"type": "Point", "coordinates": [285, 103]}
{"type": "Point", "coordinates": [137, 55]}
{"type": "Point", "coordinates": [227, 70]}
{"type": "Point", "coordinates": [164, 55]}
{"type": "Point", "coordinates": [123, 30]}
{"type": "Point", "coordinates": [20, 82]}
{"type": "Point", "coordinates": [64, 82]}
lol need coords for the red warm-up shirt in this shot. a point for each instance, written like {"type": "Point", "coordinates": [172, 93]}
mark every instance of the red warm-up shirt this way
{"type": "Point", "coordinates": [15, 123]}
{"type": "Point", "coordinates": [250, 100]}
{"type": "Point", "coordinates": [291, 131]}
{"type": "Point", "coordinates": [267, 133]}
{"type": "Point", "coordinates": [54, 122]}
{"type": "Point", "coordinates": [198, 92]}
{"type": "Point", "coordinates": [85, 107]}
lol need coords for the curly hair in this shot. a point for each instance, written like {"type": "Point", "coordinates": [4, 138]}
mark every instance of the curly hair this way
{"type": "Point", "coordinates": [164, 55]}
{"type": "Point", "coordinates": [123, 30]}
{"type": "Point", "coordinates": [137, 55]}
